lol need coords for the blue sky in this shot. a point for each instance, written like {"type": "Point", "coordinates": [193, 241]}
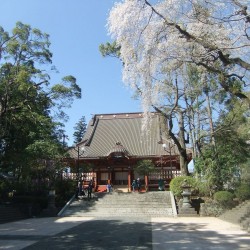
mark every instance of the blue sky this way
{"type": "Point", "coordinates": [76, 29]}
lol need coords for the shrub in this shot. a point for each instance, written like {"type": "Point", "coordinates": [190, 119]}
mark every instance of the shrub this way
{"type": "Point", "coordinates": [224, 198]}
{"type": "Point", "coordinates": [243, 192]}
{"type": "Point", "coordinates": [211, 208]}
{"type": "Point", "coordinates": [34, 200]}
{"type": "Point", "coordinates": [64, 191]}
{"type": "Point", "coordinates": [144, 167]}
{"type": "Point", "coordinates": [203, 188]}
{"type": "Point", "coordinates": [176, 183]}
{"type": "Point", "coordinates": [5, 188]}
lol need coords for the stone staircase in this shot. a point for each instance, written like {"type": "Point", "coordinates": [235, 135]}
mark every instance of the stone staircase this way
{"type": "Point", "coordinates": [150, 204]}
{"type": "Point", "coordinates": [239, 215]}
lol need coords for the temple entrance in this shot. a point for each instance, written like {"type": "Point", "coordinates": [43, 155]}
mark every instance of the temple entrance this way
{"type": "Point", "coordinates": [104, 177]}
{"type": "Point", "coordinates": [120, 178]}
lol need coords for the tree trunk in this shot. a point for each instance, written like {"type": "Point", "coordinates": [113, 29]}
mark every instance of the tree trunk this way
{"type": "Point", "coordinates": [178, 141]}
{"type": "Point", "coordinates": [198, 130]}
{"type": "Point", "coordinates": [182, 150]}
{"type": "Point", "coordinates": [209, 112]}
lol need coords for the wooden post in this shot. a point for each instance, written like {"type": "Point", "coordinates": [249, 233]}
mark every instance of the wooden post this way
{"type": "Point", "coordinates": [95, 176]}
{"type": "Point", "coordinates": [146, 183]}
{"type": "Point", "coordinates": [129, 181]}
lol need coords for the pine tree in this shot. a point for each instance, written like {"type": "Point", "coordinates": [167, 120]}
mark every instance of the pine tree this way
{"type": "Point", "coordinates": [80, 129]}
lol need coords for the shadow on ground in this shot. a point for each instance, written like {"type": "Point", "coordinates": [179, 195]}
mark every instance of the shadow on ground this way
{"type": "Point", "coordinates": [139, 233]}
{"type": "Point", "coordinates": [101, 234]}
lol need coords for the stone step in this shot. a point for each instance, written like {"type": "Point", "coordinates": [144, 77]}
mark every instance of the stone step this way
{"type": "Point", "coordinates": [245, 223]}
{"type": "Point", "coordinates": [132, 215]}
{"type": "Point", "coordinates": [127, 210]}
{"type": "Point", "coordinates": [165, 213]}
{"type": "Point", "coordinates": [132, 197]}
{"type": "Point", "coordinates": [239, 215]}
{"type": "Point", "coordinates": [135, 201]}
{"type": "Point", "coordinates": [117, 204]}
{"type": "Point", "coordinates": [120, 207]}
{"type": "Point", "coordinates": [241, 210]}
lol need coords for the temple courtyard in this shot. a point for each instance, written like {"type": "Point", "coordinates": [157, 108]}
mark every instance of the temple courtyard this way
{"type": "Point", "coordinates": [123, 233]}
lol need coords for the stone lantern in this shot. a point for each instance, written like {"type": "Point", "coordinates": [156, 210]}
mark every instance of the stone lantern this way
{"type": "Point", "coordinates": [186, 209]}
{"type": "Point", "coordinates": [186, 194]}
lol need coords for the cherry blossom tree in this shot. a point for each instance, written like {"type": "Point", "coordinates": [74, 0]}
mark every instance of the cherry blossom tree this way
{"type": "Point", "coordinates": [159, 40]}
{"type": "Point", "coordinates": [159, 37]}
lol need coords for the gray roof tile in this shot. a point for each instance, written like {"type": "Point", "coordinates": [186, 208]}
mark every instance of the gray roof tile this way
{"type": "Point", "coordinates": [105, 132]}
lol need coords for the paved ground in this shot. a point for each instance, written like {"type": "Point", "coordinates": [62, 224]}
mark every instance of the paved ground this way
{"type": "Point", "coordinates": [123, 233]}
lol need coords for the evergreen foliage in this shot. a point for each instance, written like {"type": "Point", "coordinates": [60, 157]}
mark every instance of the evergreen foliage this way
{"type": "Point", "coordinates": [220, 164]}
{"type": "Point", "coordinates": [177, 182]}
{"type": "Point", "coordinates": [242, 192]}
{"type": "Point", "coordinates": [32, 109]}
{"type": "Point", "coordinates": [144, 167]}
{"type": "Point", "coordinates": [110, 49]}
{"type": "Point", "coordinates": [80, 129]}
{"type": "Point", "coordinates": [224, 198]}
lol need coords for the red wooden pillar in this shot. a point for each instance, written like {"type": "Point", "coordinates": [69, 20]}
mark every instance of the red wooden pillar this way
{"type": "Point", "coordinates": [96, 181]}
{"type": "Point", "coordinates": [146, 183]}
{"type": "Point", "coordinates": [110, 177]}
{"type": "Point", "coordinates": [129, 181]}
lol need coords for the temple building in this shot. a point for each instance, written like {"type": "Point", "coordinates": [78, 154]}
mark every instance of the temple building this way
{"type": "Point", "coordinates": [114, 144]}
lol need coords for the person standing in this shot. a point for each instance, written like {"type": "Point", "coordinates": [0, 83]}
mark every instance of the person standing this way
{"type": "Point", "coordinates": [161, 185]}
{"type": "Point", "coordinates": [133, 185]}
{"type": "Point", "coordinates": [90, 187]}
{"type": "Point", "coordinates": [78, 190]}
{"type": "Point", "coordinates": [109, 188]}
{"type": "Point", "coordinates": [138, 184]}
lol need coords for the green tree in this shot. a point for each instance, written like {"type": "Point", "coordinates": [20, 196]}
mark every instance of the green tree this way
{"type": "Point", "coordinates": [144, 167]}
{"type": "Point", "coordinates": [110, 49]}
{"type": "Point", "coordinates": [220, 165]}
{"type": "Point", "coordinates": [80, 129]}
{"type": "Point", "coordinates": [31, 108]}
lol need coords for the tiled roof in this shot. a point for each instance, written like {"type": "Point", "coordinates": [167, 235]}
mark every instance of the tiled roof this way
{"type": "Point", "coordinates": [118, 149]}
{"type": "Point", "coordinates": [110, 133]}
